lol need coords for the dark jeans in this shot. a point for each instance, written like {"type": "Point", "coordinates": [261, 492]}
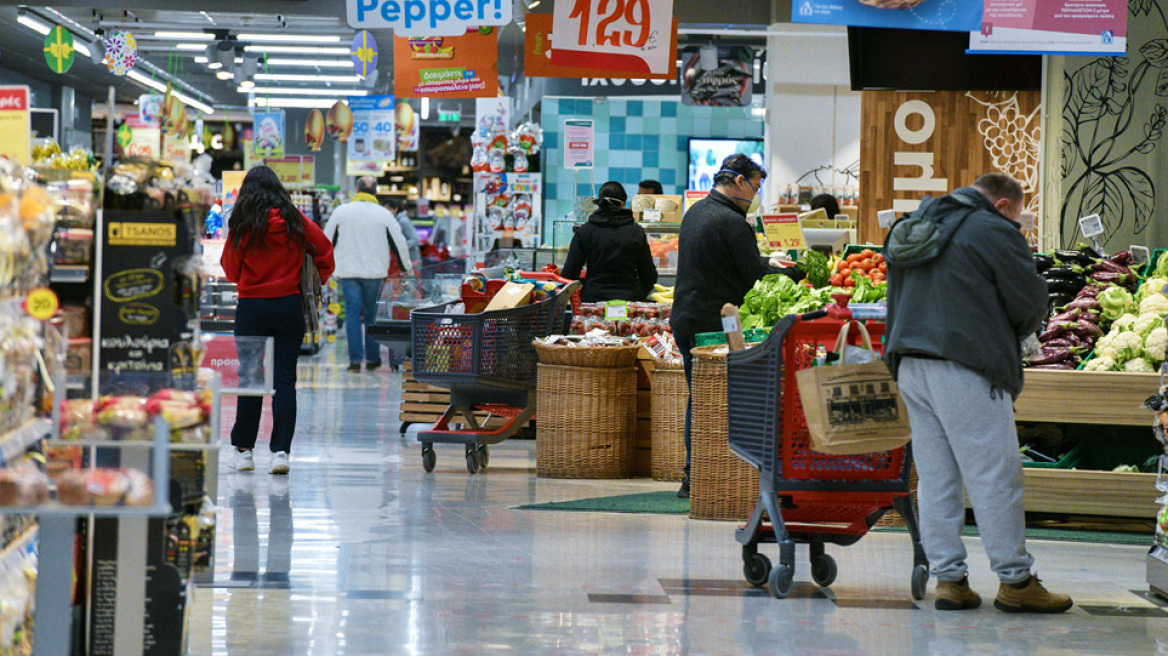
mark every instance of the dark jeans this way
{"type": "Point", "coordinates": [361, 296]}
{"type": "Point", "coordinates": [686, 345]}
{"type": "Point", "coordinates": [283, 319]}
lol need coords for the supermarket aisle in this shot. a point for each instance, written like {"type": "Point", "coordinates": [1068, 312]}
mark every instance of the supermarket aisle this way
{"type": "Point", "coordinates": [359, 552]}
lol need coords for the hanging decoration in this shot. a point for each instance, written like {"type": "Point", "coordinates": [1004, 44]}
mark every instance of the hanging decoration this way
{"type": "Point", "coordinates": [229, 136]}
{"type": "Point", "coordinates": [173, 114]}
{"type": "Point", "coordinates": [125, 135]}
{"type": "Point", "coordinates": [314, 130]}
{"type": "Point", "coordinates": [59, 50]}
{"type": "Point", "coordinates": [364, 53]}
{"type": "Point", "coordinates": [340, 122]}
{"type": "Point", "coordinates": [121, 52]}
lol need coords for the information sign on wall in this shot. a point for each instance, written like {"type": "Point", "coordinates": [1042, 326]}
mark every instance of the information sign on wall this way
{"type": "Point", "coordinates": [938, 15]}
{"type": "Point", "coordinates": [579, 144]}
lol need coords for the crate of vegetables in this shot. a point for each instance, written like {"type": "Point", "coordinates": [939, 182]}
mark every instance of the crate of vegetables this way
{"type": "Point", "coordinates": [866, 262]}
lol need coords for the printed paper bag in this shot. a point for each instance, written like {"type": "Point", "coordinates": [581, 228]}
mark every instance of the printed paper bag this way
{"type": "Point", "coordinates": [853, 408]}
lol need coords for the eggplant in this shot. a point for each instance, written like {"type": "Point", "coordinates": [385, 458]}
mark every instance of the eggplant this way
{"type": "Point", "coordinates": [1090, 291]}
{"type": "Point", "coordinates": [1043, 262]}
{"type": "Point", "coordinates": [1049, 356]}
{"type": "Point", "coordinates": [1038, 456]}
{"type": "Point", "coordinates": [1084, 303]}
{"type": "Point", "coordinates": [1086, 328]}
{"type": "Point", "coordinates": [1062, 273]}
{"type": "Point", "coordinates": [1069, 315]}
{"type": "Point", "coordinates": [1077, 257]}
{"type": "Point", "coordinates": [1074, 339]}
{"type": "Point", "coordinates": [1123, 258]}
{"type": "Point", "coordinates": [1090, 252]}
{"type": "Point", "coordinates": [1052, 330]}
{"type": "Point", "coordinates": [1090, 317]}
{"type": "Point", "coordinates": [1059, 366]}
{"type": "Point", "coordinates": [1058, 342]}
{"type": "Point", "coordinates": [1066, 286]}
{"type": "Point", "coordinates": [1105, 265]}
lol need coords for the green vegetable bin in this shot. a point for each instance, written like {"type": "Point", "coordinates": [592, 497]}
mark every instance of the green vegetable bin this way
{"type": "Point", "coordinates": [751, 336]}
{"type": "Point", "coordinates": [1070, 460]}
{"type": "Point", "coordinates": [856, 248]}
{"type": "Point", "coordinates": [1152, 260]}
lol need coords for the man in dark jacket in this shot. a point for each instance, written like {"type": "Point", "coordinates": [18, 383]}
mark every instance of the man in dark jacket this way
{"type": "Point", "coordinates": [717, 263]}
{"type": "Point", "coordinates": [614, 250]}
{"type": "Point", "coordinates": [962, 295]}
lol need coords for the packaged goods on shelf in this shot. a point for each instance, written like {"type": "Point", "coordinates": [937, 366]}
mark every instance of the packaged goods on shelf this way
{"type": "Point", "coordinates": [19, 345]}
{"type": "Point", "coordinates": [129, 417]}
{"type": "Point", "coordinates": [105, 487]}
{"type": "Point", "coordinates": [23, 486]}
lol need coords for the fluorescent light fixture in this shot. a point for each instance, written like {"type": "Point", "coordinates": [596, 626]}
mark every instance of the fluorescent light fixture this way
{"type": "Point", "coordinates": [292, 77]}
{"type": "Point", "coordinates": [148, 81]}
{"type": "Point", "coordinates": [425, 108]}
{"type": "Point", "coordinates": [293, 38]}
{"type": "Point", "coordinates": [225, 75]}
{"type": "Point", "coordinates": [297, 50]}
{"type": "Point", "coordinates": [190, 46]}
{"type": "Point", "coordinates": [185, 36]}
{"type": "Point", "coordinates": [246, 86]}
{"type": "Point", "coordinates": [33, 24]}
{"type": "Point", "coordinates": [303, 103]}
{"type": "Point", "coordinates": [312, 63]}
{"type": "Point", "coordinates": [201, 60]}
{"type": "Point", "coordinates": [82, 49]}
{"type": "Point", "coordinates": [304, 91]}
{"type": "Point", "coordinates": [159, 86]}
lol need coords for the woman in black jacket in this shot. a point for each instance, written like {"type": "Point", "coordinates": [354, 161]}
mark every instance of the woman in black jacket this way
{"type": "Point", "coordinates": [614, 250]}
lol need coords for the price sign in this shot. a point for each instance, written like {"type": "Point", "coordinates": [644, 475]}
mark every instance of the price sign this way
{"type": "Point", "coordinates": [783, 231]}
{"type": "Point", "coordinates": [623, 35]}
{"type": "Point", "coordinates": [374, 137]}
{"type": "Point", "coordinates": [42, 304]}
{"type": "Point", "coordinates": [1091, 226]}
{"type": "Point", "coordinates": [616, 310]}
{"type": "Point", "coordinates": [1139, 255]}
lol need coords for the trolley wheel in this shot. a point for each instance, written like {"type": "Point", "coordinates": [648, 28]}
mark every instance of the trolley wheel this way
{"type": "Point", "coordinates": [757, 568]}
{"type": "Point", "coordinates": [781, 581]}
{"type": "Point", "coordinates": [484, 456]}
{"type": "Point", "coordinates": [920, 581]}
{"type": "Point", "coordinates": [429, 459]}
{"type": "Point", "coordinates": [823, 570]}
{"type": "Point", "coordinates": [472, 462]}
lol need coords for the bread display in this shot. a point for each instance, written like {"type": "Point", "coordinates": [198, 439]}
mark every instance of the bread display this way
{"type": "Point", "coordinates": [23, 487]}
{"type": "Point", "coordinates": [105, 487]}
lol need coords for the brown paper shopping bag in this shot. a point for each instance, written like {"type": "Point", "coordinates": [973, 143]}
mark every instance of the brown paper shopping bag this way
{"type": "Point", "coordinates": [853, 408]}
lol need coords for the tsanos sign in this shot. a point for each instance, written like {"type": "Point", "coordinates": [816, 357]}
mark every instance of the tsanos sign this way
{"type": "Point", "coordinates": [427, 17]}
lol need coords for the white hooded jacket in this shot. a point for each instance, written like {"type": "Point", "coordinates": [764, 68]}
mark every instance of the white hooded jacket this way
{"type": "Point", "coordinates": [364, 235]}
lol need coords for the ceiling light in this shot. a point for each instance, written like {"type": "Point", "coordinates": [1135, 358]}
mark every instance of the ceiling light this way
{"type": "Point", "coordinates": [82, 49]}
{"type": "Point", "coordinates": [186, 36]}
{"type": "Point", "coordinates": [201, 60]}
{"type": "Point", "coordinates": [304, 103]}
{"type": "Point", "coordinates": [225, 75]}
{"type": "Point", "coordinates": [225, 53]}
{"type": "Point", "coordinates": [33, 24]}
{"type": "Point", "coordinates": [246, 86]}
{"type": "Point", "coordinates": [250, 65]}
{"type": "Point", "coordinates": [292, 77]}
{"type": "Point", "coordinates": [314, 63]}
{"type": "Point", "coordinates": [294, 38]}
{"type": "Point", "coordinates": [425, 108]}
{"type": "Point", "coordinates": [148, 81]}
{"type": "Point", "coordinates": [297, 50]}
{"type": "Point", "coordinates": [189, 46]}
{"type": "Point", "coordinates": [159, 86]}
{"type": "Point", "coordinates": [534, 4]}
{"type": "Point", "coordinates": [98, 55]}
{"type": "Point", "coordinates": [302, 91]}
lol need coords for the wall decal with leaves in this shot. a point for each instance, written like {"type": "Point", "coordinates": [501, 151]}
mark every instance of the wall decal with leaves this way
{"type": "Point", "coordinates": [1106, 134]}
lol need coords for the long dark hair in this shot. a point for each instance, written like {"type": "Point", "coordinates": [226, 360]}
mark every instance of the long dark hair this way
{"type": "Point", "coordinates": [261, 192]}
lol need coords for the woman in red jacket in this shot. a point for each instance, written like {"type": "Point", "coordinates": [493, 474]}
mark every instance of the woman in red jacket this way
{"type": "Point", "coordinates": [266, 242]}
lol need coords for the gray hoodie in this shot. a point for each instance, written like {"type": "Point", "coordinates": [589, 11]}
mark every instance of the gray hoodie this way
{"type": "Point", "coordinates": [962, 286]}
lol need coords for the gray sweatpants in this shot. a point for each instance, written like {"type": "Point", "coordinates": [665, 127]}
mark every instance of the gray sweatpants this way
{"type": "Point", "coordinates": [962, 431]}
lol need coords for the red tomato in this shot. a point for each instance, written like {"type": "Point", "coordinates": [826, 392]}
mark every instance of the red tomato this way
{"type": "Point", "coordinates": [837, 280]}
{"type": "Point", "coordinates": [878, 276]}
{"type": "Point", "coordinates": [867, 252]}
{"type": "Point", "coordinates": [867, 265]}
{"type": "Point", "coordinates": [883, 267]}
{"type": "Point", "coordinates": [841, 265]}
{"type": "Point", "coordinates": [853, 258]}
{"type": "Point", "coordinates": [849, 283]}
{"type": "Point", "coordinates": [878, 258]}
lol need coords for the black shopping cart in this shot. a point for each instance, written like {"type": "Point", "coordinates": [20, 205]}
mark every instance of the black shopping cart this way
{"type": "Point", "coordinates": [488, 363]}
{"type": "Point", "coordinates": [810, 497]}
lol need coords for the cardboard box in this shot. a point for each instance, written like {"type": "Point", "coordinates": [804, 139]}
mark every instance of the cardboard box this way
{"type": "Point", "coordinates": [642, 202]}
{"type": "Point", "coordinates": [512, 295]}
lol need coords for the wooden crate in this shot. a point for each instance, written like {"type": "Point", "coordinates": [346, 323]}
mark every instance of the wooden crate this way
{"type": "Point", "coordinates": [1086, 397]}
{"type": "Point", "coordinates": [424, 404]}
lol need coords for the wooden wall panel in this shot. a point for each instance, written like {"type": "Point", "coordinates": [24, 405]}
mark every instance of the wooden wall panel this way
{"type": "Point", "coordinates": [973, 133]}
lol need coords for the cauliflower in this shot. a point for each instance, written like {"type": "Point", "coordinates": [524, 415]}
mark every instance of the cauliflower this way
{"type": "Point", "coordinates": [1104, 363]}
{"type": "Point", "coordinates": [1156, 303]}
{"type": "Point", "coordinates": [1124, 323]}
{"type": "Point", "coordinates": [1139, 365]}
{"type": "Point", "coordinates": [1146, 322]}
{"type": "Point", "coordinates": [1151, 286]}
{"type": "Point", "coordinates": [1155, 343]}
{"type": "Point", "coordinates": [1122, 347]}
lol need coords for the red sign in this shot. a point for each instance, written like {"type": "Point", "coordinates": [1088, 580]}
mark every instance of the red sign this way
{"type": "Point", "coordinates": [13, 98]}
{"type": "Point", "coordinates": [614, 35]}
{"type": "Point", "coordinates": [222, 357]}
{"type": "Point", "coordinates": [464, 66]}
{"type": "Point", "coordinates": [538, 56]}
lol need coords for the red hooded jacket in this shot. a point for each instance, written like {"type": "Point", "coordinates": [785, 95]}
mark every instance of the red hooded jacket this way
{"type": "Point", "coordinates": [274, 271]}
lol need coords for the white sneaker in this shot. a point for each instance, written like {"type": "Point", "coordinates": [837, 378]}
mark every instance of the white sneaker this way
{"type": "Point", "coordinates": [244, 460]}
{"type": "Point", "coordinates": [279, 462]}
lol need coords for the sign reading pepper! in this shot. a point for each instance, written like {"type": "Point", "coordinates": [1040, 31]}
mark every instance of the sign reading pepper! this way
{"type": "Point", "coordinates": [428, 17]}
{"type": "Point", "coordinates": [616, 35]}
{"type": "Point", "coordinates": [464, 66]}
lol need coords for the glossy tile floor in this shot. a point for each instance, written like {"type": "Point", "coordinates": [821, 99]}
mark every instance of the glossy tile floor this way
{"type": "Point", "coordinates": [360, 552]}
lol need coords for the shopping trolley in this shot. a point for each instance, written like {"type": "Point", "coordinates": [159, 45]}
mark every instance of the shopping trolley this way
{"type": "Point", "coordinates": [488, 363]}
{"type": "Point", "coordinates": [810, 498]}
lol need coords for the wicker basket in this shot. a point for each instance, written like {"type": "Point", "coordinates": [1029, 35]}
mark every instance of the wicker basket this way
{"type": "Point", "coordinates": [587, 422]}
{"type": "Point", "coordinates": [670, 396]}
{"type": "Point", "coordinates": [587, 356]}
{"type": "Point", "coordinates": [722, 486]}
{"type": "Point", "coordinates": [893, 518]}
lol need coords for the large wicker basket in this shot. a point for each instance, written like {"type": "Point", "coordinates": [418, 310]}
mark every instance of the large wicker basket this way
{"type": "Point", "coordinates": [587, 356]}
{"type": "Point", "coordinates": [722, 486]}
{"type": "Point", "coordinates": [670, 396]}
{"type": "Point", "coordinates": [587, 422]}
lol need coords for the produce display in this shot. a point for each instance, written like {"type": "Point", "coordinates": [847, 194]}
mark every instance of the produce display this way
{"type": "Point", "coordinates": [865, 264]}
{"type": "Point", "coordinates": [776, 296]}
{"type": "Point", "coordinates": [662, 294]}
{"type": "Point", "coordinates": [644, 319]}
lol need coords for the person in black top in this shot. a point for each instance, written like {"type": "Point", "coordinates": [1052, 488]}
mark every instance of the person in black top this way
{"type": "Point", "coordinates": [828, 203]}
{"type": "Point", "coordinates": [614, 250]}
{"type": "Point", "coordinates": [717, 263]}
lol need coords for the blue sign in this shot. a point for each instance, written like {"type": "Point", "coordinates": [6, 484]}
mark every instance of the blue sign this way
{"type": "Point", "coordinates": [374, 137]}
{"type": "Point", "coordinates": [938, 15]}
{"type": "Point", "coordinates": [428, 17]}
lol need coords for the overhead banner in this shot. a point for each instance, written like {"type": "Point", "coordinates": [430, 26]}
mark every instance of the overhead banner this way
{"type": "Point", "coordinates": [427, 17]}
{"type": "Point", "coordinates": [718, 76]}
{"type": "Point", "coordinates": [270, 134]}
{"type": "Point", "coordinates": [1052, 27]}
{"type": "Point", "coordinates": [537, 46]}
{"type": "Point", "coordinates": [59, 51]}
{"type": "Point", "coordinates": [15, 125]}
{"type": "Point", "coordinates": [632, 37]}
{"type": "Point", "coordinates": [374, 137]}
{"type": "Point", "coordinates": [465, 66]}
{"type": "Point", "coordinates": [937, 15]}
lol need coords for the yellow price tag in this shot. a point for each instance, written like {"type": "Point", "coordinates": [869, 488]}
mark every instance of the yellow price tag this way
{"type": "Point", "coordinates": [42, 304]}
{"type": "Point", "coordinates": [783, 232]}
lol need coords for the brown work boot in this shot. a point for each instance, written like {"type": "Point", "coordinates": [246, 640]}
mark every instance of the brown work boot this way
{"type": "Point", "coordinates": [1030, 596]}
{"type": "Point", "coordinates": [956, 595]}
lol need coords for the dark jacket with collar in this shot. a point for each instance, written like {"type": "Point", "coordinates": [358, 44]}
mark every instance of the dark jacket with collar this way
{"type": "Point", "coordinates": [962, 287]}
{"type": "Point", "coordinates": [615, 251]}
{"type": "Point", "coordinates": [717, 263]}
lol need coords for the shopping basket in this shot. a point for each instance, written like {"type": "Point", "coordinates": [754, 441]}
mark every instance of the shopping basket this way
{"type": "Point", "coordinates": [809, 497]}
{"type": "Point", "coordinates": [488, 363]}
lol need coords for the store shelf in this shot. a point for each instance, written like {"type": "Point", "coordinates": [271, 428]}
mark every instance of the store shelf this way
{"type": "Point", "coordinates": [20, 542]}
{"type": "Point", "coordinates": [217, 325]}
{"type": "Point", "coordinates": [1086, 397]}
{"type": "Point", "coordinates": [16, 442]}
{"type": "Point", "coordinates": [134, 444]}
{"type": "Point", "coordinates": [1080, 492]}
{"type": "Point", "coordinates": [61, 510]}
{"type": "Point", "coordinates": [69, 274]}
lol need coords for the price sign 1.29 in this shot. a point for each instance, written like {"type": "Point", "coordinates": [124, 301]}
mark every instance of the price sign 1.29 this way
{"type": "Point", "coordinates": [627, 35]}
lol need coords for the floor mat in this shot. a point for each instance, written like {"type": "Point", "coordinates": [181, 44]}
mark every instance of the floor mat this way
{"type": "Point", "coordinates": [652, 503]}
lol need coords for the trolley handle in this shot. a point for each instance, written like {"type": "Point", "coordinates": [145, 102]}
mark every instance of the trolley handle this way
{"type": "Point", "coordinates": [812, 316]}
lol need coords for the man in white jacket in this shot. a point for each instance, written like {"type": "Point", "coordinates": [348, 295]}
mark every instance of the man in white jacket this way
{"type": "Point", "coordinates": [366, 237]}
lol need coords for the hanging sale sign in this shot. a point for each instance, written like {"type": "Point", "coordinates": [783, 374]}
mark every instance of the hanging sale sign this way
{"type": "Point", "coordinates": [1052, 27]}
{"type": "Point", "coordinates": [614, 35]}
{"type": "Point", "coordinates": [374, 137]}
{"type": "Point", "coordinates": [427, 17]}
{"type": "Point", "coordinates": [537, 48]}
{"type": "Point", "coordinates": [270, 134]}
{"type": "Point", "coordinates": [579, 144]}
{"type": "Point", "coordinates": [15, 125]}
{"type": "Point", "coordinates": [145, 139]}
{"type": "Point", "coordinates": [465, 66]}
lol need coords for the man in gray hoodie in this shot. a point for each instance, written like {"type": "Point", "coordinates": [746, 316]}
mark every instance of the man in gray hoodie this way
{"type": "Point", "coordinates": [963, 292]}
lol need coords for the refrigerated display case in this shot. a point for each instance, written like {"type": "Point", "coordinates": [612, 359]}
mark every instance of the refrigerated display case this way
{"type": "Point", "coordinates": [663, 239]}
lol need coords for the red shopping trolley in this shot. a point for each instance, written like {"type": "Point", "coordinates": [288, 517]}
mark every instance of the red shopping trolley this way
{"type": "Point", "coordinates": [809, 497]}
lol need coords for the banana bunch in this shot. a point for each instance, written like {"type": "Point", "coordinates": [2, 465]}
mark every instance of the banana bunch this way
{"type": "Point", "coordinates": [662, 294]}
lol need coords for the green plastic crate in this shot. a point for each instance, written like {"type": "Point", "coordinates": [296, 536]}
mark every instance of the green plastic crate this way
{"type": "Point", "coordinates": [856, 248]}
{"type": "Point", "coordinates": [1070, 460]}
{"type": "Point", "coordinates": [1152, 259]}
{"type": "Point", "coordinates": [752, 335]}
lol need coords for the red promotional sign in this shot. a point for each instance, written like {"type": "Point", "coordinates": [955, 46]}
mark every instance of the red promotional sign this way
{"type": "Point", "coordinates": [537, 47]}
{"type": "Point", "coordinates": [630, 36]}
{"type": "Point", "coordinates": [464, 66]}
{"type": "Point", "coordinates": [13, 98]}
